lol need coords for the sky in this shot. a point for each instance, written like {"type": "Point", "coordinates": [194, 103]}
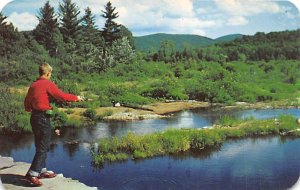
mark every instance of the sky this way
{"type": "Point", "coordinates": [210, 18]}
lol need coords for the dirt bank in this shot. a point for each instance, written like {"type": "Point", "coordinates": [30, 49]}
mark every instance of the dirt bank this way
{"type": "Point", "coordinates": [159, 110]}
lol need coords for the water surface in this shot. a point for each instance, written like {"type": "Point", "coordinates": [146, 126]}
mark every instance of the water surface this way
{"type": "Point", "coordinates": [253, 163]}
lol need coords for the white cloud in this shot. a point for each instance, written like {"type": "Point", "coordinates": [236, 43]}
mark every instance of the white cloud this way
{"type": "Point", "coordinates": [190, 25]}
{"type": "Point", "coordinates": [168, 7]}
{"type": "Point", "coordinates": [237, 21]}
{"type": "Point", "coordinates": [23, 21]}
{"type": "Point", "coordinates": [247, 7]}
{"type": "Point", "coordinates": [290, 13]}
{"type": "Point", "coordinates": [168, 16]}
{"type": "Point", "coordinates": [155, 16]}
{"type": "Point", "coordinates": [202, 11]}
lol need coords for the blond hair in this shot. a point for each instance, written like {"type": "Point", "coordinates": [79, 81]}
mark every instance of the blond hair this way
{"type": "Point", "coordinates": [45, 68]}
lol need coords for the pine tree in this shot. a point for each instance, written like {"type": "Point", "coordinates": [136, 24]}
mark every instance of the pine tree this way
{"type": "Point", "coordinates": [48, 25]}
{"type": "Point", "coordinates": [89, 29]}
{"type": "Point", "coordinates": [124, 32]}
{"type": "Point", "coordinates": [9, 37]}
{"type": "Point", "coordinates": [122, 51]}
{"type": "Point", "coordinates": [111, 28]}
{"type": "Point", "coordinates": [88, 20]}
{"type": "Point", "coordinates": [70, 27]}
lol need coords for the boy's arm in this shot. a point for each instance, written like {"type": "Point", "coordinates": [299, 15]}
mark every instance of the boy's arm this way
{"type": "Point", "coordinates": [55, 92]}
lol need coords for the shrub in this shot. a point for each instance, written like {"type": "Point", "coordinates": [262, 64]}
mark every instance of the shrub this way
{"type": "Point", "coordinates": [74, 122]}
{"type": "Point", "coordinates": [287, 123]}
{"type": "Point", "coordinates": [90, 113]}
{"type": "Point", "coordinates": [139, 154]}
{"type": "Point", "coordinates": [105, 114]}
{"type": "Point", "coordinates": [23, 121]}
{"type": "Point", "coordinates": [59, 118]}
{"type": "Point", "coordinates": [227, 120]}
{"type": "Point", "coordinates": [11, 108]}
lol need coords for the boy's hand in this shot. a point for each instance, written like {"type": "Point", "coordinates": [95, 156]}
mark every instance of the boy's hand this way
{"type": "Point", "coordinates": [81, 98]}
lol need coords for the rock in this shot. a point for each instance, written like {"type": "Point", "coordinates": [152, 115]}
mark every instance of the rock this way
{"type": "Point", "coordinates": [117, 104]}
{"type": "Point", "coordinates": [6, 162]}
{"type": "Point", "coordinates": [298, 120]}
{"type": "Point", "coordinates": [169, 101]}
{"type": "Point", "coordinates": [132, 116]}
{"type": "Point", "coordinates": [241, 103]}
{"type": "Point", "coordinates": [72, 142]}
{"type": "Point", "coordinates": [13, 179]}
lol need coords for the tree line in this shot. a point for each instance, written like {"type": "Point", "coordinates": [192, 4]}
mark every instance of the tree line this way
{"type": "Point", "coordinates": [271, 46]}
{"type": "Point", "coordinates": [73, 43]}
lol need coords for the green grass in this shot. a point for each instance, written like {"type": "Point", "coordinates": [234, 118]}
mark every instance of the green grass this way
{"type": "Point", "coordinates": [143, 82]}
{"type": "Point", "coordinates": [172, 141]}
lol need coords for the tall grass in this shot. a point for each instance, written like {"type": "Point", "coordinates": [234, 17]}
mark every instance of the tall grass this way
{"type": "Point", "coordinates": [172, 141]}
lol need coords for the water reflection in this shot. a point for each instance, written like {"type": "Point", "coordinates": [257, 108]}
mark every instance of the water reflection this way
{"type": "Point", "coordinates": [261, 163]}
{"type": "Point", "coordinates": [196, 118]}
{"type": "Point", "coordinates": [9, 143]}
{"type": "Point", "coordinates": [71, 148]}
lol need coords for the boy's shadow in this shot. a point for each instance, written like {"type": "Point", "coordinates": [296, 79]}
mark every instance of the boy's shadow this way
{"type": "Point", "coordinates": [14, 179]}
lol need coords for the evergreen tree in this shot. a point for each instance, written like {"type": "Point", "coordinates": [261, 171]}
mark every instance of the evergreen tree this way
{"type": "Point", "coordinates": [88, 20]}
{"type": "Point", "coordinates": [167, 49]}
{"type": "Point", "coordinates": [58, 42]}
{"type": "Point", "coordinates": [111, 28]}
{"type": "Point", "coordinates": [9, 38]}
{"type": "Point", "coordinates": [124, 32]}
{"type": "Point", "coordinates": [119, 53]}
{"type": "Point", "coordinates": [46, 29]}
{"type": "Point", "coordinates": [89, 29]}
{"type": "Point", "coordinates": [122, 51]}
{"type": "Point", "coordinates": [70, 27]}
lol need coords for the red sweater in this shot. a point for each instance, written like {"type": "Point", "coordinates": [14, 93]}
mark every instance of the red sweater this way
{"type": "Point", "coordinates": [39, 93]}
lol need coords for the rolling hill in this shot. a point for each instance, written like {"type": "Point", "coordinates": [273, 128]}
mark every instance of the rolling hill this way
{"type": "Point", "coordinates": [153, 41]}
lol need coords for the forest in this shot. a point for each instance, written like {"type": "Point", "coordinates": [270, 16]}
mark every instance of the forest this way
{"type": "Point", "coordinates": [104, 64]}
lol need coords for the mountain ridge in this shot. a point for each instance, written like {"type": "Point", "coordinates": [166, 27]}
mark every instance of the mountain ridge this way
{"type": "Point", "coordinates": [152, 42]}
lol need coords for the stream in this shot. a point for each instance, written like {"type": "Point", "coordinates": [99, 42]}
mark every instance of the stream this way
{"type": "Point", "coordinates": [270, 162]}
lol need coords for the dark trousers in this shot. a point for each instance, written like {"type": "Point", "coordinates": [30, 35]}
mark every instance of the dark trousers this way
{"type": "Point", "coordinates": [41, 129]}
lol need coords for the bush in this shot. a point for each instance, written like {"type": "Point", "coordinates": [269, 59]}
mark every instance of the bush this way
{"type": "Point", "coordinates": [168, 87]}
{"type": "Point", "coordinates": [74, 122]}
{"type": "Point", "coordinates": [90, 114]}
{"type": "Point", "coordinates": [23, 121]}
{"type": "Point", "coordinates": [132, 99]}
{"type": "Point", "coordinates": [105, 114]}
{"type": "Point", "coordinates": [287, 123]}
{"type": "Point", "coordinates": [139, 154]}
{"type": "Point", "coordinates": [10, 109]}
{"type": "Point", "coordinates": [58, 119]}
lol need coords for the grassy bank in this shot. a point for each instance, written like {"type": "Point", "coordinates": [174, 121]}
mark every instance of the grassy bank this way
{"type": "Point", "coordinates": [172, 141]}
{"type": "Point", "coordinates": [13, 118]}
{"type": "Point", "coordinates": [146, 84]}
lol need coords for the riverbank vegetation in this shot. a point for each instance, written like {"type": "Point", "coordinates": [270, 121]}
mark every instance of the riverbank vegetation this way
{"type": "Point", "coordinates": [105, 66]}
{"type": "Point", "coordinates": [173, 141]}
